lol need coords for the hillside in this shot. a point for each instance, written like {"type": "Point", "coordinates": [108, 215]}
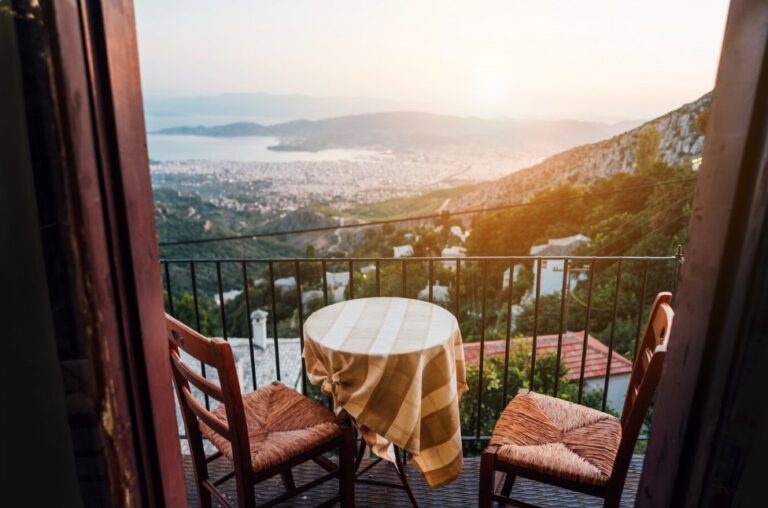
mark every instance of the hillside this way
{"type": "Point", "coordinates": [680, 141]}
{"type": "Point", "coordinates": [415, 130]}
{"type": "Point", "coordinates": [184, 215]}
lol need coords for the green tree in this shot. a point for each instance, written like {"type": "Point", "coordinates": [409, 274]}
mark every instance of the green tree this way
{"type": "Point", "coordinates": [184, 311]}
{"type": "Point", "coordinates": [549, 311]}
{"type": "Point", "coordinates": [647, 147]}
{"type": "Point", "coordinates": [701, 121]}
{"type": "Point", "coordinates": [518, 377]}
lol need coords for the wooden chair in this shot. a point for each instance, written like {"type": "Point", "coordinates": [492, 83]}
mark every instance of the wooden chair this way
{"type": "Point", "coordinates": [264, 433]}
{"type": "Point", "coordinates": [564, 444]}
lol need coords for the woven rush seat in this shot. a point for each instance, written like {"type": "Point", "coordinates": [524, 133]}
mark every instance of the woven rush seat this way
{"type": "Point", "coordinates": [559, 438]}
{"type": "Point", "coordinates": [282, 424]}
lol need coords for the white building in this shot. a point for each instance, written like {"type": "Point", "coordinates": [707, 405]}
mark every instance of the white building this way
{"type": "Point", "coordinates": [560, 246]}
{"type": "Point", "coordinates": [310, 295]}
{"type": "Point", "coordinates": [551, 269]}
{"type": "Point", "coordinates": [459, 233]}
{"type": "Point", "coordinates": [440, 293]}
{"type": "Point", "coordinates": [402, 251]}
{"type": "Point", "coordinates": [452, 252]}
{"type": "Point", "coordinates": [337, 279]}
{"type": "Point", "coordinates": [285, 283]}
{"type": "Point", "coordinates": [227, 295]}
{"type": "Point", "coordinates": [515, 275]}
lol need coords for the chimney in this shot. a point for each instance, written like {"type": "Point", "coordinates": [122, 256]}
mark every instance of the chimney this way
{"type": "Point", "coordinates": [259, 326]}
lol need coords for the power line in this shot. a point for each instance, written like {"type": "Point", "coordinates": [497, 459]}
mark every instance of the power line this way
{"type": "Point", "coordinates": [471, 211]}
{"type": "Point", "coordinates": [645, 223]}
{"type": "Point", "coordinates": [580, 302]}
{"type": "Point", "coordinates": [572, 294]}
{"type": "Point", "coordinates": [662, 227]}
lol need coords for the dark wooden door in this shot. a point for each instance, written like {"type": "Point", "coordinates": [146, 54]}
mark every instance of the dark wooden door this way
{"type": "Point", "coordinates": [84, 116]}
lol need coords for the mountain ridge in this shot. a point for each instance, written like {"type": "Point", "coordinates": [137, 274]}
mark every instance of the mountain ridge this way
{"type": "Point", "coordinates": [679, 142]}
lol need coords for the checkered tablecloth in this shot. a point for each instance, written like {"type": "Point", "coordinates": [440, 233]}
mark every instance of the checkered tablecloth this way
{"type": "Point", "coordinates": [396, 366]}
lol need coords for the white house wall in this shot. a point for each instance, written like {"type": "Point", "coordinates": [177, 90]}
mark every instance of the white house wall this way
{"type": "Point", "coordinates": [617, 389]}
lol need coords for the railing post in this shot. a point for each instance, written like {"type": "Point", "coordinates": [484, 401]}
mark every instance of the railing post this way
{"type": "Point", "coordinates": [196, 303]}
{"type": "Point", "coordinates": [679, 260]}
{"type": "Point", "coordinates": [586, 328]}
{"type": "Point", "coordinates": [563, 323]}
{"type": "Point", "coordinates": [351, 280]}
{"type": "Point", "coordinates": [168, 289]}
{"type": "Point", "coordinates": [456, 302]}
{"type": "Point", "coordinates": [537, 261]}
{"type": "Point", "coordinates": [508, 335]}
{"type": "Point", "coordinates": [405, 280]}
{"type": "Point", "coordinates": [613, 333]}
{"type": "Point", "coordinates": [221, 301]}
{"type": "Point", "coordinates": [274, 318]}
{"type": "Point", "coordinates": [248, 323]}
{"type": "Point", "coordinates": [323, 268]}
{"type": "Point", "coordinates": [640, 308]}
{"type": "Point", "coordinates": [431, 278]}
{"type": "Point", "coordinates": [484, 281]}
{"type": "Point", "coordinates": [300, 307]}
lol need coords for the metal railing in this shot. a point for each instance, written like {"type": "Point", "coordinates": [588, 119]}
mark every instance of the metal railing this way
{"type": "Point", "coordinates": [476, 295]}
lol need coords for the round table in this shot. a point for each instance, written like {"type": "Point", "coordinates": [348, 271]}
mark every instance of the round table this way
{"type": "Point", "coordinates": [396, 366]}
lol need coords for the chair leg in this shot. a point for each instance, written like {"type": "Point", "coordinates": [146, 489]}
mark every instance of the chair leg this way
{"type": "Point", "coordinates": [246, 498]}
{"type": "Point", "coordinates": [612, 499]}
{"type": "Point", "coordinates": [244, 484]}
{"type": "Point", "coordinates": [347, 464]}
{"type": "Point", "coordinates": [360, 453]}
{"type": "Point", "coordinates": [288, 481]}
{"type": "Point", "coordinates": [486, 476]}
{"type": "Point", "coordinates": [199, 465]}
{"type": "Point", "coordinates": [205, 499]}
{"type": "Point", "coordinates": [509, 481]}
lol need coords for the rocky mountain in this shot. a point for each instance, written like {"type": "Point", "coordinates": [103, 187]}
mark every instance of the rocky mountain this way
{"type": "Point", "coordinates": [680, 141]}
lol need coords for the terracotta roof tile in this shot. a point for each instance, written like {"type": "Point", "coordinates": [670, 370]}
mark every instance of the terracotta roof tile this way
{"type": "Point", "coordinates": [596, 358]}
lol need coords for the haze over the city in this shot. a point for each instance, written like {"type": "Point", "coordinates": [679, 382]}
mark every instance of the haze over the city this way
{"type": "Point", "coordinates": [592, 60]}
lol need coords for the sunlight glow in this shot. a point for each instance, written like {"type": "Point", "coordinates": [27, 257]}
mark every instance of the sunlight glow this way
{"type": "Point", "coordinates": [491, 88]}
{"type": "Point", "coordinates": [592, 59]}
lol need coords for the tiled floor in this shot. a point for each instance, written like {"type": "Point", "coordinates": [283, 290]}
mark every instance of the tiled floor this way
{"type": "Point", "coordinates": [461, 492]}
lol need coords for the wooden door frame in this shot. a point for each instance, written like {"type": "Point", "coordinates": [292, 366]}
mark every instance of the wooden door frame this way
{"type": "Point", "coordinates": [84, 102]}
{"type": "Point", "coordinates": [721, 267]}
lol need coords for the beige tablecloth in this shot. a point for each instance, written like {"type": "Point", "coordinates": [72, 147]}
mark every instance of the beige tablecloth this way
{"type": "Point", "coordinates": [396, 366]}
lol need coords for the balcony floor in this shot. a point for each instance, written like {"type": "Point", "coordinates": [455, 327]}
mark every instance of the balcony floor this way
{"type": "Point", "coordinates": [461, 492]}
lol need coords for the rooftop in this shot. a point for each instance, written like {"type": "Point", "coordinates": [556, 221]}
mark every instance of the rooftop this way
{"type": "Point", "coordinates": [560, 246]}
{"type": "Point", "coordinates": [596, 356]}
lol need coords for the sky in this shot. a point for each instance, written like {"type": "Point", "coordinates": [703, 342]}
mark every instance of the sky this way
{"type": "Point", "coordinates": [606, 60]}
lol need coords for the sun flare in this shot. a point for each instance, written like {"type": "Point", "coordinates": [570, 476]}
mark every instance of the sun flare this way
{"type": "Point", "coordinates": [491, 86]}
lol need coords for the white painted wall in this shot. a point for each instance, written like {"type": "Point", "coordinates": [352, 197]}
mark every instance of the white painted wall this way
{"type": "Point", "coordinates": [617, 389]}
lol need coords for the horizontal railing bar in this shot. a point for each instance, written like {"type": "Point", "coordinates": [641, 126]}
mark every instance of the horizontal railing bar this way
{"type": "Point", "coordinates": [475, 438]}
{"type": "Point", "coordinates": [183, 435]}
{"type": "Point", "coordinates": [410, 259]}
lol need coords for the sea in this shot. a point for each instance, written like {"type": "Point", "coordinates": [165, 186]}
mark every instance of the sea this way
{"type": "Point", "coordinates": [172, 147]}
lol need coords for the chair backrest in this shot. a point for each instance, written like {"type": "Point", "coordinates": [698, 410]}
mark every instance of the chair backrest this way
{"type": "Point", "coordinates": [217, 354]}
{"type": "Point", "coordinates": [646, 373]}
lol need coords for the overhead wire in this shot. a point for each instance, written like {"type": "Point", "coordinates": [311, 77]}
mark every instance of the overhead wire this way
{"type": "Point", "coordinates": [472, 211]}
